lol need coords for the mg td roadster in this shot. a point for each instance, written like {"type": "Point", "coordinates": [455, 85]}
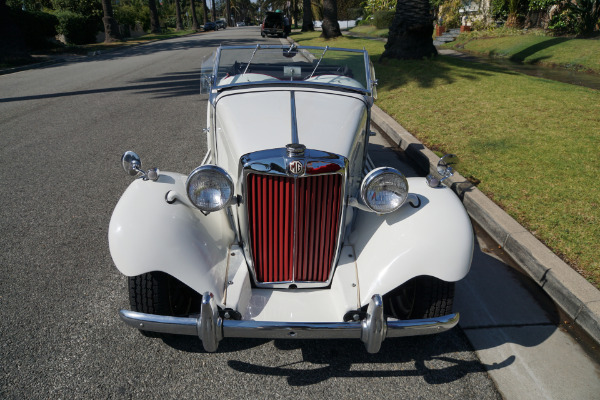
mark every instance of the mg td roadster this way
{"type": "Point", "coordinates": [285, 229]}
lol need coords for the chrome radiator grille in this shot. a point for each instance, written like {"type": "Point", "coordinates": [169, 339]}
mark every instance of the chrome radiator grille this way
{"type": "Point", "coordinates": [294, 224]}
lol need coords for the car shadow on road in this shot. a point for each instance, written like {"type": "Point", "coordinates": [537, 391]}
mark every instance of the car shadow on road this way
{"type": "Point", "coordinates": [438, 359]}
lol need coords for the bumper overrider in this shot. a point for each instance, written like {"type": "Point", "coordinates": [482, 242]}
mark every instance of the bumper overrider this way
{"type": "Point", "coordinates": [211, 328]}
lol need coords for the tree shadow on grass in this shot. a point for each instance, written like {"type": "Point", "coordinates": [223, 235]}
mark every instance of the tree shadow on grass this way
{"type": "Point", "coordinates": [428, 73]}
{"type": "Point", "coordinates": [531, 50]}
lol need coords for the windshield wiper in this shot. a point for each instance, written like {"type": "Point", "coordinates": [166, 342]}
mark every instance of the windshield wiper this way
{"type": "Point", "coordinates": [318, 62]}
{"type": "Point", "coordinates": [249, 61]}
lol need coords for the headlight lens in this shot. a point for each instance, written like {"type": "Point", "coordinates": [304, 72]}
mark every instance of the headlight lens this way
{"type": "Point", "coordinates": [209, 188]}
{"type": "Point", "coordinates": [384, 190]}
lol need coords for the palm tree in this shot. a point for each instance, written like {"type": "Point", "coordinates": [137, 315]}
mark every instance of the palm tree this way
{"type": "Point", "coordinates": [214, 12]}
{"type": "Point", "coordinates": [307, 18]}
{"type": "Point", "coordinates": [205, 11]}
{"type": "Point", "coordinates": [178, 21]}
{"type": "Point", "coordinates": [410, 35]}
{"type": "Point", "coordinates": [331, 27]}
{"type": "Point", "coordinates": [154, 23]}
{"type": "Point", "coordinates": [228, 13]}
{"type": "Point", "coordinates": [111, 27]}
{"type": "Point", "coordinates": [195, 25]}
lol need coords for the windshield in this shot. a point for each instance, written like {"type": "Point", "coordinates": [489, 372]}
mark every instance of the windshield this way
{"type": "Point", "coordinates": [264, 64]}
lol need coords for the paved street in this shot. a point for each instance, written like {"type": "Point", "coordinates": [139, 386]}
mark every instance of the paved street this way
{"type": "Point", "coordinates": [63, 129]}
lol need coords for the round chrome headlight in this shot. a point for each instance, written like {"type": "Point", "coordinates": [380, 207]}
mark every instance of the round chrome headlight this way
{"type": "Point", "coordinates": [384, 190]}
{"type": "Point", "coordinates": [209, 188]}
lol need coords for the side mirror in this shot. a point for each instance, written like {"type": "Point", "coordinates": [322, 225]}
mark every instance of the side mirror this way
{"type": "Point", "coordinates": [445, 165]}
{"type": "Point", "coordinates": [131, 162]}
{"type": "Point", "coordinates": [445, 169]}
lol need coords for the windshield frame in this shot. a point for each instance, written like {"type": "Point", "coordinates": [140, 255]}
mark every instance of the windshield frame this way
{"type": "Point", "coordinates": [217, 57]}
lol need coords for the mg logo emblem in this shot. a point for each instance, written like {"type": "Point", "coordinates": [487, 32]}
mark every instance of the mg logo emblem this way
{"type": "Point", "coordinates": [296, 167]}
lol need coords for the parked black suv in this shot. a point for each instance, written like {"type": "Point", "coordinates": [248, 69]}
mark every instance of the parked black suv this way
{"type": "Point", "coordinates": [275, 23]}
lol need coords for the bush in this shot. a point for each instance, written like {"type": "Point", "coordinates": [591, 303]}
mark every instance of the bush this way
{"type": "Point", "coordinates": [38, 28]}
{"type": "Point", "coordinates": [449, 15]}
{"type": "Point", "coordinates": [383, 19]}
{"type": "Point", "coordinates": [130, 16]}
{"type": "Point", "coordinates": [77, 28]}
{"type": "Point", "coordinates": [586, 15]}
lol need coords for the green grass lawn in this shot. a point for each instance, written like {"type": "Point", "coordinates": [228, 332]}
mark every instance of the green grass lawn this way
{"type": "Point", "coordinates": [580, 54]}
{"type": "Point", "coordinates": [533, 143]}
{"type": "Point", "coordinates": [370, 30]}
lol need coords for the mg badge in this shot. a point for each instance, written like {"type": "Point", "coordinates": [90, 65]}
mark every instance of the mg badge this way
{"type": "Point", "coordinates": [296, 167]}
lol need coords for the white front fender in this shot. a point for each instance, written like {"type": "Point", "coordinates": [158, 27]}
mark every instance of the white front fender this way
{"type": "Point", "coordinates": [435, 239]}
{"type": "Point", "coordinates": [148, 234]}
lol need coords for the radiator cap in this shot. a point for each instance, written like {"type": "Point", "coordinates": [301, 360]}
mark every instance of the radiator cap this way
{"type": "Point", "coordinates": [295, 150]}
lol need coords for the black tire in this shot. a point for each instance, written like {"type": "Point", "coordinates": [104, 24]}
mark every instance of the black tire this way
{"type": "Point", "coordinates": [161, 294]}
{"type": "Point", "coordinates": [421, 297]}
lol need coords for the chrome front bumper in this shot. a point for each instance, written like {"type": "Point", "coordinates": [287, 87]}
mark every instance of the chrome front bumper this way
{"type": "Point", "coordinates": [211, 328]}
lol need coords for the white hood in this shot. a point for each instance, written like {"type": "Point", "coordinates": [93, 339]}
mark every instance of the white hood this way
{"type": "Point", "coordinates": [260, 120]}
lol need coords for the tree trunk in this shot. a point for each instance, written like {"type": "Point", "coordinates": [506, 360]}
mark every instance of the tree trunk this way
{"type": "Point", "coordinates": [12, 44]}
{"type": "Point", "coordinates": [228, 13]}
{"type": "Point", "coordinates": [214, 12]}
{"type": "Point", "coordinates": [178, 21]}
{"type": "Point", "coordinates": [411, 32]}
{"type": "Point", "coordinates": [307, 18]}
{"type": "Point", "coordinates": [154, 22]}
{"type": "Point", "coordinates": [295, 13]}
{"type": "Point", "coordinates": [111, 27]}
{"type": "Point", "coordinates": [512, 21]}
{"type": "Point", "coordinates": [195, 25]}
{"type": "Point", "coordinates": [331, 27]}
{"type": "Point", "coordinates": [205, 11]}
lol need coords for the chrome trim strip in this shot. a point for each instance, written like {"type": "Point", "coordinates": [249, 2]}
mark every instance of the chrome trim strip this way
{"type": "Point", "coordinates": [279, 46]}
{"type": "Point", "coordinates": [294, 119]}
{"type": "Point", "coordinates": [298, 84]}
{"type": "Point", "coordinates": [211, 328]}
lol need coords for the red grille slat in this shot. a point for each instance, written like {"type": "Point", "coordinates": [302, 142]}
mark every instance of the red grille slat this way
{"type": "Point", "coordinates": [289, 231]}
{"type": "Point", "coordinates": [294, 225]}
{"type": "Point", "coordinates": [322, 224]}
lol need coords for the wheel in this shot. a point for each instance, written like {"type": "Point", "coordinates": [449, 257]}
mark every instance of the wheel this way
{"type": "Point", "coordinates": [160, 293]}
{"type": "Point", "coordinates": [421, 297]}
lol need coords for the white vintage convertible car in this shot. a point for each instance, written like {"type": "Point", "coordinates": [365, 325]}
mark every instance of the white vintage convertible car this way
{"type": "Point", "coordinates": [285, 230]}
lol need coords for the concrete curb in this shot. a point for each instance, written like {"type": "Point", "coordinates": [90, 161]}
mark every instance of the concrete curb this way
{"type": "Point", "coordinates": [576, 296]}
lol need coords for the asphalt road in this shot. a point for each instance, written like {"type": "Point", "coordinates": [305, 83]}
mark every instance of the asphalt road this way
{"type": "Point", "coordinates": [63, 129]}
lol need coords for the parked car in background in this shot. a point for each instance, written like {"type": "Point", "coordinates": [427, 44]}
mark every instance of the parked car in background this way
{"type": "Point", "coordinates": [241, 23]}
{"type": "Point", "coordinates": [221, 24]}
{"type": "Point", "coordinates": [210, 26]}
{"type": "Point", "coordinates": [286, 230]}
{"type": "Point", "coordinates": [275, 24]}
